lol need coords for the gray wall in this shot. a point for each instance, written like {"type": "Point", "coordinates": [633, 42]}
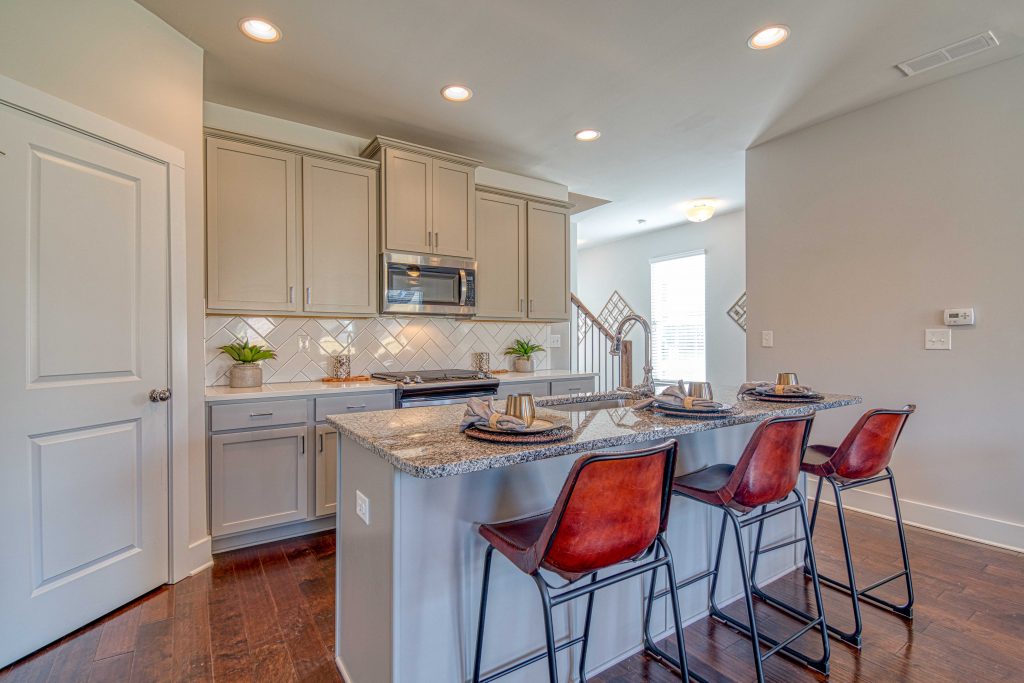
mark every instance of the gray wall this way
{"type": "Point", "coordinates": [117, 59]}
{"type": "Point", "coordinates": [624, 265]}
{"type": "Point", "coordinates": [860, 230]}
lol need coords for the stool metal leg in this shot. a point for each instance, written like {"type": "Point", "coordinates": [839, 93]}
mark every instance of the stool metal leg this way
{"type": "Point", "coordinates": [586, 633]}
{"type": "Point", "coordinates": [483, 613]}
{"type": "Point", "coordinates": [650, 647]}
{"type": "Point", "coordinates": [905, 610]}
{"type": "Point", "coordinates": [549, 629]}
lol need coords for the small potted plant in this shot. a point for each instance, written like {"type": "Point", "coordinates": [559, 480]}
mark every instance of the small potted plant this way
{"type": "Point", "coordinates": [247, 371]}
{"type": "Point", "coordinates": [522, 352]}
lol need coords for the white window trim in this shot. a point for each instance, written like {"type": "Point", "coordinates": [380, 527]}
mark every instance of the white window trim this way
{"type": "Point", "coordinates": [707, 301]}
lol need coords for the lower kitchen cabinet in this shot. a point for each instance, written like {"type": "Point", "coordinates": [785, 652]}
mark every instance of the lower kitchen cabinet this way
{"type": "Point", "coordinates": [257, 479]}
{"type": "Point", "coordinates": [326, 498]}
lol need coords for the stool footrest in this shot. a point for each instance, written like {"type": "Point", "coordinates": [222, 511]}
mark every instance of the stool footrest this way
{"type": "Point", "coordinates": [780, 647]}
{"type": "Point", "coordinates": [530, 660]}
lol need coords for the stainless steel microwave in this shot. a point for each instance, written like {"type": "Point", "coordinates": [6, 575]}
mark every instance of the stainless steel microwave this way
{"type": "Point", "coordinates": [435, 285]}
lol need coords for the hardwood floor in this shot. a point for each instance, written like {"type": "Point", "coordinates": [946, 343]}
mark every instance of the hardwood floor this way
{"type": "Point", "coordinates": [267, 614]}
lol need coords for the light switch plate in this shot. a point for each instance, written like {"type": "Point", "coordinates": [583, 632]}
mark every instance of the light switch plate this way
{"type": "Point", "coordinates": [555, 341]}
{"type": "Point", "coordinates": [938, 340]}
{"type": "Point", "coordinates": [363, 507]}
{"type": "Point", "coordinates": [767, 338]}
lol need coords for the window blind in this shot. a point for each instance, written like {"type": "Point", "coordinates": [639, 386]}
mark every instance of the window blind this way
{"type": "Point", "coordinates": [678, 318]}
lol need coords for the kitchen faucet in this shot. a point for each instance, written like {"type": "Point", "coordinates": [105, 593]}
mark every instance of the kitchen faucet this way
{"type": "Point", "coordinates": [645, 388]}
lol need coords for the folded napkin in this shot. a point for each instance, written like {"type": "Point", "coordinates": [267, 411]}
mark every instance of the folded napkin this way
{"type": "Point", "coordinates": [480, 412]}
{"type": "Point", "coordinates": [772, 388]}
{"type": "Point", "coordinates": [675, 397]}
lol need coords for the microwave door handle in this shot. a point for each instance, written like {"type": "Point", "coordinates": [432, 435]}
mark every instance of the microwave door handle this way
{"type": "Point", "coordinates": [463, 288]}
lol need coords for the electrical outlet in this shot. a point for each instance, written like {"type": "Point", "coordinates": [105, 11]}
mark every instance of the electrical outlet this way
{"type": "Point", "coordinates": [938, 340]}
{"type": "Point", "coordinates": [555, 341]}
{"type": "Point", "coordinates": [363, 507]}
{"type": "Point", "coordinates": [767, 339]}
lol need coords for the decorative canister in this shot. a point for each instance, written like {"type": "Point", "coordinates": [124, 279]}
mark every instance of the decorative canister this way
{"type": "Point", "coordinates": [341, 365]}
{"type": "Point", "coordinates": [243, 375]}
{"type": "Point", "coordinates": [482, 361]}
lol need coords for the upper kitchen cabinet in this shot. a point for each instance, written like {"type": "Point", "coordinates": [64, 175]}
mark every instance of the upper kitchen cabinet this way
{"type": "Point", "coordinates": [427, 199]}
{"type": "Point", "coordinates": [547, 261]}
{"type": "Point", "coordinates": [501, 258]}
{"type": "Point", "coordinates": [251, 227]}
{"type": "Point", "coordinates": [258, 195]}
{"type": "Point", "coordinates": [339, 237]}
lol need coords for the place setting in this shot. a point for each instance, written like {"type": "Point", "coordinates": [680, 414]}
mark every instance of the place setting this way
{"type": "Point", "coordinates": [518, 424]}
{"type": "Point", "coordinates": [785, 389]}
{"type": "Point", "coordinates": [687, 400]}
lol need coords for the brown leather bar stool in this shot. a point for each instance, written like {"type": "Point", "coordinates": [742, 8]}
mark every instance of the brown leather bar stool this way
{"type": "Point", "coordinates": [765, 477]}
{"type": "Point", "coordinates": [861, 460]}
{"type": "Point", "coordinates": [613, 508]}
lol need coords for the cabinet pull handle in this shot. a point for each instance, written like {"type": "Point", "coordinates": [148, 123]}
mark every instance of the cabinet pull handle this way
{"type": "Point", "coordinates": [430, 239]}
{"type": "Point", "coordinates": [309, 295]}
{"type": "Point", "coordinates": [321, 446]}
{"type": "Point", "coordinates": [355, 407]}
{"type": "Point", "coordinates": [302, 448]}
{"type": "Point", "coordinates": [261, 414]}
{"type": "Point", "coordinates": [437, 240]}
{"type": "Point", "coordinates": [520, 305]}
{"type": "Point", "coordinates": [531, 305]}
{"type": "Point", "coordinates": [291, 294]}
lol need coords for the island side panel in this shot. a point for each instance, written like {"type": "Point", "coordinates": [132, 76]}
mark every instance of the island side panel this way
{"type": "Point", "coordinates": [439, 565]}
{"type": "Point", "coordinates": [363, 635]}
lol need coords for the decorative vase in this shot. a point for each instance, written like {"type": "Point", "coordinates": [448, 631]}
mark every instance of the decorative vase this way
{"type": "Point", "coordinates": [523, 365]}
{"type": "Point", "coordinates": [244, 375]}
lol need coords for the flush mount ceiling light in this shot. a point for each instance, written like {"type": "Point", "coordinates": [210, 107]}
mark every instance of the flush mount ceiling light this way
{"type": "Point", "coordinates": [456, 93]}
{"type": "Point", "coordinates": [769, 37]}
{"type": "Point", "coordinates": [587, 135]}
{"type": "Point", "coordinates": [260, 30]}
{"type": "Point", "coordinates": [699, 210]}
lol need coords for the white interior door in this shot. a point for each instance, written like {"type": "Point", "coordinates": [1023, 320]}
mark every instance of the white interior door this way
{"type": "Point", "coordinates": [83, 450]}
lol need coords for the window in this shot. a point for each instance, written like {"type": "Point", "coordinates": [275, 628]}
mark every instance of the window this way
{"type": "Point", "coordinates": [677, 317]}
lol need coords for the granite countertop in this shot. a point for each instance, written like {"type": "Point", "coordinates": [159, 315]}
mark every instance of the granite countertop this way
{"type": "Point", "coordinates": [426, 443]}
{"type": "Point", "coordinates": [295, 389]}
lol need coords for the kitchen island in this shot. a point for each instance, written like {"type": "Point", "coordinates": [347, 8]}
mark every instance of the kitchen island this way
{"type": "Point", "coordinates": [409, 561]}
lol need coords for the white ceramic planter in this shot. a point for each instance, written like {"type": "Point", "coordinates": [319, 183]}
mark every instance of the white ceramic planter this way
{"type": "Point", "coordinates": [523, 365]}
{"type": "Point", "coordinates": [244, 375]}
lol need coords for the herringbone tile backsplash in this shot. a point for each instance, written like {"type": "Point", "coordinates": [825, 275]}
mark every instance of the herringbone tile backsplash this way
{"type": "Point", "coordinates": [304, 345]}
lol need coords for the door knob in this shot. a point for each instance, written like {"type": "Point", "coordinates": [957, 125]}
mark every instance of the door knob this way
{"type": "Point", "coordinates": [160, 395]}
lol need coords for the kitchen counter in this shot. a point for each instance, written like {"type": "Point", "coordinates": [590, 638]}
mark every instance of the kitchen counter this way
{"type": "Point", "coordinates": [412, 491]}
{"type": "Point", "coordinates": [291, 389]}
{"type": "Point", "coordinates": [426, 443]}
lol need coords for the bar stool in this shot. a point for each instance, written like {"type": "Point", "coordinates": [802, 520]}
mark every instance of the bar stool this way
{"type": "Point", "coordinates": [613, 508]}
{"type": "Point", "coordinates": [766, 477]}
{"type": "Point", "coordinates": [860, 460]}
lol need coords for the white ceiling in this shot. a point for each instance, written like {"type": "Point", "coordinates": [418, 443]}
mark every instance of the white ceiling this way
{"type": "Point", "coordinates": [671, 84]}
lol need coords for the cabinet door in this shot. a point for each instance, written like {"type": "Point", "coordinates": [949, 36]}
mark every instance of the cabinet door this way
{"type": "Point", "coordinates": [408, 201]}
{"type": "Point", "coordinates": [251, 233]}
{"type": "Point", "coordinates": [257, 479]}
{"type": "Point", "coordinates": [454, 209]}
{"type": "Point", "coordinates": [339, 237]}
{"type": "Point", "coordinates": [547, 262]}
{"type": "Point", "coordinates": [501, 257]}
{"type": "Point", "coordinates": [326, 470]}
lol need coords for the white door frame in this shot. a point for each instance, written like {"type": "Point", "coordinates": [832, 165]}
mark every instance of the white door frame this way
{"type": "Point", "coordinates": [63, 113]}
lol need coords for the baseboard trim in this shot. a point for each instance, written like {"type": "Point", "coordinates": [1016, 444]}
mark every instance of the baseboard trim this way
{"type": "Point", "coordinates": [995, 532]}
{"type": "Point", "coordinates": [342, 670]}
{"type": "Point", "coordinates": [246, 539]}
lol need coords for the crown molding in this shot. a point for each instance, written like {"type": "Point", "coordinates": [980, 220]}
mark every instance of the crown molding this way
{"type": "Point", "coordinates": [381, 142]}
{"type": "Point", "coordinates": [285, 147]}
{"type": "Point", "coordinates": [537, 199]}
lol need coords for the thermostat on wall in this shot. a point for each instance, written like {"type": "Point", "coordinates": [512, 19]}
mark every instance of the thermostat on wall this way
{"type": "Point", "coordinates": [959, 316]}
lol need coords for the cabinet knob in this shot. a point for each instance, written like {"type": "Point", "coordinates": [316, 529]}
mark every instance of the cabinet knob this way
{"type": "Point", "coordinates": [160, 395]}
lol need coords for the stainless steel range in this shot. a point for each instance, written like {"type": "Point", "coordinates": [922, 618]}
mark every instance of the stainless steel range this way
{"type": "Point", "coordinates": [439, 387]}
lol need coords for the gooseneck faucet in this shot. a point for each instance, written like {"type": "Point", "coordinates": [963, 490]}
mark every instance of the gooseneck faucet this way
{"type": "Point", "coordinates": [645, 388]}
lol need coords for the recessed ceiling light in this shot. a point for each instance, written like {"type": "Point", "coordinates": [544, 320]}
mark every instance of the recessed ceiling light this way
{"type": "Point", "coordinates": [456, 93]}
{"type": "Point", "coordinates": [260, 29]}
{"type": "Point", "coordinates": [699, 210]}
{"type": "Point", "coordinates": [769, 37]}
{"type": "Point", "coordinates": [587, 135]}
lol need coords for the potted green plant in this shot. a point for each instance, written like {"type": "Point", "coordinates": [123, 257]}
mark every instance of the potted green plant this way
{"type": "Point", "coordinates": [247, 371]}
{"type": "Point", "coordinates": [522, 352]}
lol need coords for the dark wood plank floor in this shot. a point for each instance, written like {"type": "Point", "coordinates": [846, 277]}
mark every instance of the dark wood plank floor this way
{"type": "Point", "coordinates": [267, 614]}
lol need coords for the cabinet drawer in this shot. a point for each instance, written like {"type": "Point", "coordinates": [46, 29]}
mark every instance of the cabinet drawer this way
{"type": "Point", "coordinates": [261, 414]}
{"type": "Point", "coordinates": [535, 388]}
{"type": "Point", "coordinates": [353, 403]}
{"type": "Point", "coordinates": [580, 385]}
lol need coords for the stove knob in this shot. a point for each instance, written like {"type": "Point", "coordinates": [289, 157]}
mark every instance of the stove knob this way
{"type": "Point", "coordinates": [481, 375]}
{"type": "Point", "coordinates": [417, 379]}
{"type": "Point", "coordinates": [406, 380]}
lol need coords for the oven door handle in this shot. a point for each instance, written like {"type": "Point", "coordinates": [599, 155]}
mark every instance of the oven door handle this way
{"type": "Point", "coordinates": [463, 287]}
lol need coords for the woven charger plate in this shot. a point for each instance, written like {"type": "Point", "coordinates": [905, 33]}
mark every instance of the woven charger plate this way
{"type": "Point", "coordinates": [780, 398]}
{"type": "Point", "coordinates": [557, 434]}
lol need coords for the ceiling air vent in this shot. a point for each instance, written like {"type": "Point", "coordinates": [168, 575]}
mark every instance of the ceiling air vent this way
{"type": "Point", "coordinates": [964, 48]}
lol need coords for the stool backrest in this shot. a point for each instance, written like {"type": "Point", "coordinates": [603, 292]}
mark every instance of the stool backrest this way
{"type": "Point", "coordinates": [867, 449]}
{"type": "Point", "coordinates": [770, 465]}
{"type": "Point", "coordinates": [611, 509]}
